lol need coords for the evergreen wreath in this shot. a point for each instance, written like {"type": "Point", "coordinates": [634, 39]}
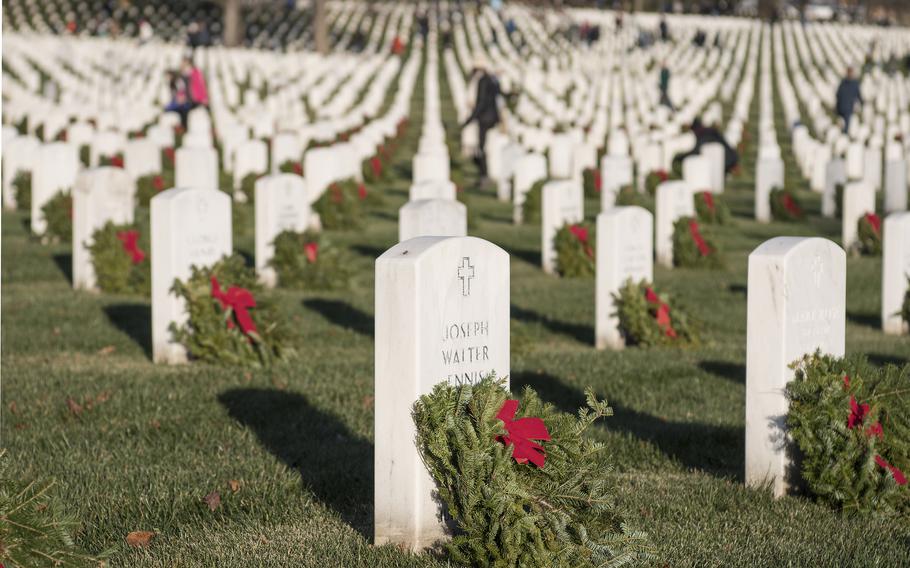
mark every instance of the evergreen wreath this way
{"type": "Point", "coordinates": [869, 234]}
{"type": "Point", "coordinates": [530, 209]}
{"type": "Point", "coordinates": [646, 318]}
{"type": "Point", "coordinates": [628, 196]}
{"type": "Point", "coordinates": [120, 260]}
{"type": "Point", "coordinates": [851, 422]}
{"type": "Point", "coordinates": [592, 182]}
{"type": "Point", "coordinates": [838, 200]}
{"type": "Point", "coordinates": [308, 261]}
{"type": "Point", "coordinates": [373, 168]}
{"type": "Point", "coordinates": [22, 184]}
{"type": "Point", "coordinates": [58, 214]}
{"type": "Point", "coordinates": [291, 167]}
{"type": "Point", "coordinates": [341, 206]}
{"type": "Point", "coordinates": [248, 186]}
{"type": "Point", "coordinates": [519, 503]}
{"type": "Point", "coordinates": [34, 529]}
{"type": "Point", "coordinates": [575, 251]}
{"type": "Point", "coordinates": [785, 206]}
{"type": "Point", "coordinates": [230, 321]}
{"type": "Point", "coordinates": [711, 209]}
{"type": "Point", "coordinates": [655, 178]}
{"type": "Point", "coordinates": [115, 161]}
{"type": "Point", "coordinates": [149, 186]}
{"type": "Point", "coordinates": [85, 155]}
{"type": "Point", "coordinates": [692, 248]}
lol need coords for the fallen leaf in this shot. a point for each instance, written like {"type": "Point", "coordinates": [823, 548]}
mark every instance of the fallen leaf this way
{"type": "Point", "coordinates": [367, 401]}
{"type": "Point", "coordinates": [103, 397]}
{"type": "Point", "coordinates": [155, 424]}
{"type": "Point", "coordinates": [13, 408]}
{"type": "Point", "coordinates": [107, 350]}
{"type": "Point", "coordinates": [247, 377]}
{"type": "Point", "coordinates": [235, 485]}
{"type": "Point", "coordinates": [56, 331]}
{"type": "Point", "coordinates": [21, 426]}
{"type": "Point", "coordinates": [140, 538]}
{"type": "Point", "coordinates": [213, 500]}
{"type": "Point", "coordinates": [74, 406]}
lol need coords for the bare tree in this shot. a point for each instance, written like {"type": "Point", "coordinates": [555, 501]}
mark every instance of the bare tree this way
{"type": "Point", "coordinates": [320, 31]}
{"type": "Point", "coordinates": [233, 23]}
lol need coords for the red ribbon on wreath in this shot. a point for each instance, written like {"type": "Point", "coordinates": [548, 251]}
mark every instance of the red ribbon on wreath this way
{"type": "Point", "coordinates": [790, 205]}
{"type": "Point", "coordinates": [362, 191]}
{"type": "Point", "coordinates": [703, 248]}
{"type": "Point", "coordinates": [858, 413]}
{"type": "Point", "coordinates": [708, 198]}
{"type": "Point", "coordinates": [581, 233]}
{"type": "Point", "coordinates": [130, 240]}
{"type": "Point", "coordinates": [311, 250]}
{"type": "Point", "coordinates": [169, 154]}
{"type": "Point", "coordinates": [663, 312]}
{"type": "Point", "coordinates": [158, 183]}
{"type": "Point", "coordinates": [897, 473]}
{"type": "Point", "coordinates": [875, 222]}
{"type": "Point", "coordinates": [117, 162]}
{"type": "Point", "coordinates": [298, 168]}
{"type": "Point", "coordinates": [239, 300]}
{"type": "Point", "coordinates": [521, 434]}
{"type": "Point", "coordinates": [598, 183]}
{"type": "Point", "coordinates": [662, 175]}
{"type": "Point", "coordinates": [376, 164]}
{"type": "Point", "coordinates": [336, 193]}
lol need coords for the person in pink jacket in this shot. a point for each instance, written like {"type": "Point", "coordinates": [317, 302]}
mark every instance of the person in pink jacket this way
{"type": "Point", "coordinates": [199, 93]}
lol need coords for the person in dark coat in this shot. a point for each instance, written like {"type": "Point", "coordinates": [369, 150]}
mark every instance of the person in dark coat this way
{"type": "Point", "coordinates": [847, 96]}
{"type": "Point", "coordinates": [486, 112]}
{"type": "Point", "coordinates": [665, 86]}
{"type": "Point", "coordinates": [664, 30]}
{"type": "Point", "coordinates": [706, 135]}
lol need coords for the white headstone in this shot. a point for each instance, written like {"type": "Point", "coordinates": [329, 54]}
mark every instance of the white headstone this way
{"type": "Point", "coordinates": [196, 168]}
{"type": "Point", "coordinates": [674, 200]}
{"type": "Point", "coordinates": [430, 166]}
{"type": "Point", "coordinates": [835, 174]}
{"type": "Point", "coordinates": [717, 157]}
{"type": "Point", "coordinates": [615, 173]}
{"type": "Point", "coordinates": [442, 314]}
{"type": "Point", "coordinates": [54, 170]}
{"type": "Point", "coordinates": [697, 173]}
{"type": "Point", "coordinates": [769, 174]}
{"type": "Point", "coordinates": [529, 169]}
{"type": "Point", "coordinates": [625, 238]}
{"type": "Point", "coordinates": [562, 201]}
{"type": "Point", "coordinates": [432, 218]}
{"type": "Point", "coordinates": [99, 195]}
{"type": "Point", "coordinates": [433, 189]}
{"type": "Point", "coordinates": [281, 205]}
{"type": "Point", "coordinates": [796, 304]}
{"type": "Point", "coordinates": [895, 186]}
{"type": "Point", "coordinates": [141, 157]}
{"type": "Point", "coordinates": [560, 157]}
{"type": "Point", "coordinates": [859, 199]}
{"type": "Point", "coordinates": [190, 227]}
{"type": "Point", "coordinates": [895, 270]}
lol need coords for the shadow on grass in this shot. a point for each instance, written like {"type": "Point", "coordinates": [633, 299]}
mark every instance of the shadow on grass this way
{"type": "Point", "coordinates": [368, 251]}
{"type": "Point", "coordinates": [882, 360]}
{"type": "Point", "coordinates": [717, 450]}
{"type": "Point", "coordinates": [579, 332]}
{"type": "Point", "coordinates": [342, 314]}
{"type": "Point", "coordinates": [735, 372]}
{"type": "Point", "coordinates": [864, 320]}
{"type": "Point", "coordinates": [532, 257]}
{"type": "Point", "coordinates": [64, 262]}
{"type": "Point", "coordinates": [335, 464]}
{"type": "Point", "coordinates": [737, 288]}
{"type": "Point", "coordinates": [134, 320]}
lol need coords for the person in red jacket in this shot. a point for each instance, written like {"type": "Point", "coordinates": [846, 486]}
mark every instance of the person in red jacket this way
{"type": "Point", "coordinates": [199, 93]}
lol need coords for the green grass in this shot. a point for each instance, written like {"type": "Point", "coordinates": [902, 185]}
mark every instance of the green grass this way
{"type": "Point", "coordinates": [151, 441]}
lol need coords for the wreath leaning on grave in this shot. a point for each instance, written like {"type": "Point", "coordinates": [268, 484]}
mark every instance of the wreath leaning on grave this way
{"type": "Point", "coordinates": [22, 184]}
{"type": "Point", "coordinates": [528, 490]}
{"type": "Point", "coordinates": [655, 178]}
{"type": "Point", "coordinates": [120, 260]}
{"type": "Point", "coordinates": [291, 167]}
{"type": "Point", "coordinates": [869, 234]}
{"type": "Point", "coordinates": [309, 261]}
{"type": "Point", "coordinates": [711, 209]}
{"type": "Point", "coordinates": [851, 423]}
{"type": "Point", "coordinates": [574, 251]}
{"type": "Point", "coordinates": [149, 186]}
{"type": "Point", "coordinates": [230, 321]}
{"type": "Point", "coordinates": [592, 182]}
{"type": "Point", "coordinates": [628, 196]}
{"type": "Point", "coordinates": [341, 205]}
{"type": "Point", "coordinates": [646, 319]}
{"type": "Point", "coordinates": [58, 214]}
{"type": "Point", "coordinates": [693, 248]}
{"type": "Point", "coordinates": [785, 206]}
{"type": "Point", "coordinates": [530, 208]}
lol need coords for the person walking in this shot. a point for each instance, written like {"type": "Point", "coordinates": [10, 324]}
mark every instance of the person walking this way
{"type": "Point", "coordinates": [665, 86]}
{"type": "Point", "coordinates": [486, 112]}
{"type": "Point", "coordinates": [848, 95]}
{"type": "Point", "coordinates": [199, 93]}
{"type": "Point", "coordinates": [180, 98]}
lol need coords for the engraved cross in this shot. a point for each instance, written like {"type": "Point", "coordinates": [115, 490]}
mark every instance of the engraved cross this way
{"type": "Point", "coordinates": [466, 272]}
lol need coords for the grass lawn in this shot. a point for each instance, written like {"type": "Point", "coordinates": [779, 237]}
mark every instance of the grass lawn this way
{"type": "Point", "coordinates": [135, 446]}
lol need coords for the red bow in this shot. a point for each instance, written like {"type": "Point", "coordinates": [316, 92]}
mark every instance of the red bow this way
{"type": "Point", "coordinates": [376, 164]}
{"type": "Point", "coordinates": [662, 175]}
{"type": "Point", "coordinates": [708, 199]}
{"type": "Point", "coordinates": [298, 168]}
{"type": "Point", "coordinates": [580, 233]}
{"type": "Point", "coordinates": [130, 240]}
{"type": "Point", "coordinates": [336, 193]}
{"type": "Point", "coordinates": [117, 162]}
{"type": "Point", "coordinates": [598, 184]}
{"type": "Point", "coordinates": [521, 432]}
{"type": "Point", "coordinates": [791, 205]}
{"type": "Point", "coordinates": [362, 192]}
{"type": "Point", "coordinates": [158, 183]}
{"type": "Point", "coordinates": [169, 154]}
{"type": "Point", "coordinates": [876, 430]}
{"type": "Point", "coordinates": [846, 382]}
{"type": "Point", "coordinates": [858, 413]}
{"type": "Point", "coordinates": [898, 474]}
{"type": "Point", "coordinates": [876, 223]}
{"type": "Point", "coordinates": [703, 247]}
{"type": "Point", "coordinates": [239, 300]}
{"type": "Point", "coordinates": [663, 313]}
{"type": "Point", "coordinates": [311, 250]}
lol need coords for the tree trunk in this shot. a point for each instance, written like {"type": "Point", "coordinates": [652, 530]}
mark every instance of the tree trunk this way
{"type": "Point", "coordinates": [320, 32]}
{"type": "Point", "coordinates": [233, 23]}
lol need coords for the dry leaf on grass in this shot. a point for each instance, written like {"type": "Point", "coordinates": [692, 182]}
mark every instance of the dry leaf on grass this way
{"type": "Point", "coordinates": [107, 350]}
{"type": "Point", "coordinates": [213, 500]}
{"type": "Point", "coordinates": [74, 406]}
{"type": "Point", "coordinates": [235, 485]}
{"type": "Point", "coordinates": [140, 538]}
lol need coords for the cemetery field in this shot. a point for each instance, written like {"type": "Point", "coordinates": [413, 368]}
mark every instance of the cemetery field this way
{"type": "Point", "coordinates": [275, 467]}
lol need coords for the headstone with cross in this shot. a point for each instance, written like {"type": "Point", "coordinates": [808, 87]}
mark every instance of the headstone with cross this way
{"type": "Point", "coordinates": [442, 315]}
{"type": "Point", "coordinates": [796, 305]}
{"type": "Point", "coordinates": [562, 202]}
{"type": "Point", "coordinates": [282, 204]}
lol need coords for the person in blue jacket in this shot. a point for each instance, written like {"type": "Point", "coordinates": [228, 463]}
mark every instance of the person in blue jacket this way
{"type": "Point", "coordinates": [847, 96]}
